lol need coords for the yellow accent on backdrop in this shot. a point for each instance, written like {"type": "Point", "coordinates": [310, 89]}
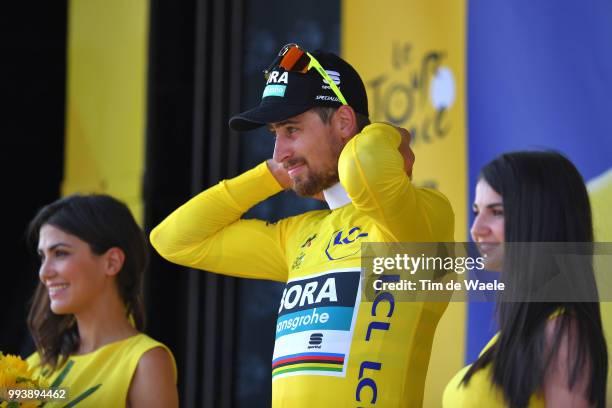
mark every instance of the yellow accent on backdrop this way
{"type": "Point", "coordinates": [106, 99]}
{"type": "Point", "coordinates": [411, 56]}
{"type": "Point", "coordinates": [600, 194]}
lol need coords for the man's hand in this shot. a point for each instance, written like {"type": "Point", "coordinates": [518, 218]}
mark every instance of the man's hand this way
{"type": "Point", "coordinates": [280, 174]}
{"type": "Point", "coordinates": [406, 151]}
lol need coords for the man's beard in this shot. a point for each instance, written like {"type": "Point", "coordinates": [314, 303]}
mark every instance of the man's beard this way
{"type": "Point", "coordinates": [314, 182]}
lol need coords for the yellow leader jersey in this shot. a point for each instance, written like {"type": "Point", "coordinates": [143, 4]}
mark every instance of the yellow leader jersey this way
{"type": "Point", "coordinates": [333, 347]}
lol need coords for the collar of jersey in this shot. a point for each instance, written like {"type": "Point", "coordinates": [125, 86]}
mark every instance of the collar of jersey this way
{"type": "Point", "coordinates": [336, 196]}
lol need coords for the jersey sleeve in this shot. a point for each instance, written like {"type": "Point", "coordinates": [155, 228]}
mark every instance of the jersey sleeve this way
{"type": "Point", "coordinates": [371, 169]}
{"type": "Point", "coordinates": [207, 232]}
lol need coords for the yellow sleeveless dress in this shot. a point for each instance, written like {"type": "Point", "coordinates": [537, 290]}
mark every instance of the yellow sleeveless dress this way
{"type": "Point", "coordinates": [480, 391]}
{"type": "Point", "coordinates": [100, 378]}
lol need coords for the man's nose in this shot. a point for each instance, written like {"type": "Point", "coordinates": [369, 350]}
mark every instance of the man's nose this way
{"type": "Point", "coordinates": [282, 150]}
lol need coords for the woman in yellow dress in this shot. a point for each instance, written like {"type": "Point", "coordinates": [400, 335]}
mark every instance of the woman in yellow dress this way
{"type": "Point", "coordinates": [546, 353]}
{"type": "Point", "coordinates": [87, 313]}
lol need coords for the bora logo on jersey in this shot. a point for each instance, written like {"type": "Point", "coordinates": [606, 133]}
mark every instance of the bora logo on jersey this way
{"type": "Point", "coordinates": [314, 307]}
{"type": "Point", "coordinates": [321, 302]}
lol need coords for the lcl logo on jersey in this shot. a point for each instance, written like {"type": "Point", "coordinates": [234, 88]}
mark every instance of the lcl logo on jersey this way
{"type": "Point", "coordinates": [340, 244]}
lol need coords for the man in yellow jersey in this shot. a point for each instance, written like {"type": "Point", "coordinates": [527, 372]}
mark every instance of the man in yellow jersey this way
{"type": "Point", "coordinates": [333, 347]}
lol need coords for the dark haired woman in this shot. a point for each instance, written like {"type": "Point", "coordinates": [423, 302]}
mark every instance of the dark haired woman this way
{"type": "Point", "coordinates": [87, 313]}
{"type": "Point", "coordinates": [546, 354]}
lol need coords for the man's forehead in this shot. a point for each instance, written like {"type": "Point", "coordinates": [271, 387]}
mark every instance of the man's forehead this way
{"type": "Point", "coordinates": [291, 121]}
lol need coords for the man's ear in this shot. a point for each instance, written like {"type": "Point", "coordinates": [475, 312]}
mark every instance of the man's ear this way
{"type": "Point", "coordinates": [114, 259]}
{"type": "Point", "coordinates": [345, 122]}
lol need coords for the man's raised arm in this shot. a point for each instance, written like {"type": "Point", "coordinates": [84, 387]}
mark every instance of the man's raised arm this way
{"type": "Point", "coordinates": [207, 233]}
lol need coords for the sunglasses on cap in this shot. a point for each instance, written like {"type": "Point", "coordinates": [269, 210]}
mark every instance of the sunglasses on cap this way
{"type": "Point", "coordinates": [294, 59]}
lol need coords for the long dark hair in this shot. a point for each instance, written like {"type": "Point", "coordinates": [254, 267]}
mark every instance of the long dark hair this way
{"type": "Point", "coordinates": [103, 222]}
{"type": "Point", "coordinates": [545, 200]}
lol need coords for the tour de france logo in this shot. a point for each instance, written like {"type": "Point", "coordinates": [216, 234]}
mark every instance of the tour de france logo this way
{"type": "Point", "coordinates": [416, 91]}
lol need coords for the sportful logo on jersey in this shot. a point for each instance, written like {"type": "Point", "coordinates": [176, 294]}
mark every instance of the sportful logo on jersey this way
{"type": "Point", "coordinates": [315, 340]}
{"type": "Point", "coordinates": [313, 308]}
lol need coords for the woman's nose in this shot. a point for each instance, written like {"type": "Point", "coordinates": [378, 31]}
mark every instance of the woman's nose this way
{"type": "Point", "coordinates": [46, 271]}
{"type": "Point", "coordinates": [479, 228]}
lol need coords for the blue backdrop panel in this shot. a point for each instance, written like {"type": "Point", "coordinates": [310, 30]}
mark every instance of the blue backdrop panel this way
{"type": "Point", "coordinates": [539, 76]}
